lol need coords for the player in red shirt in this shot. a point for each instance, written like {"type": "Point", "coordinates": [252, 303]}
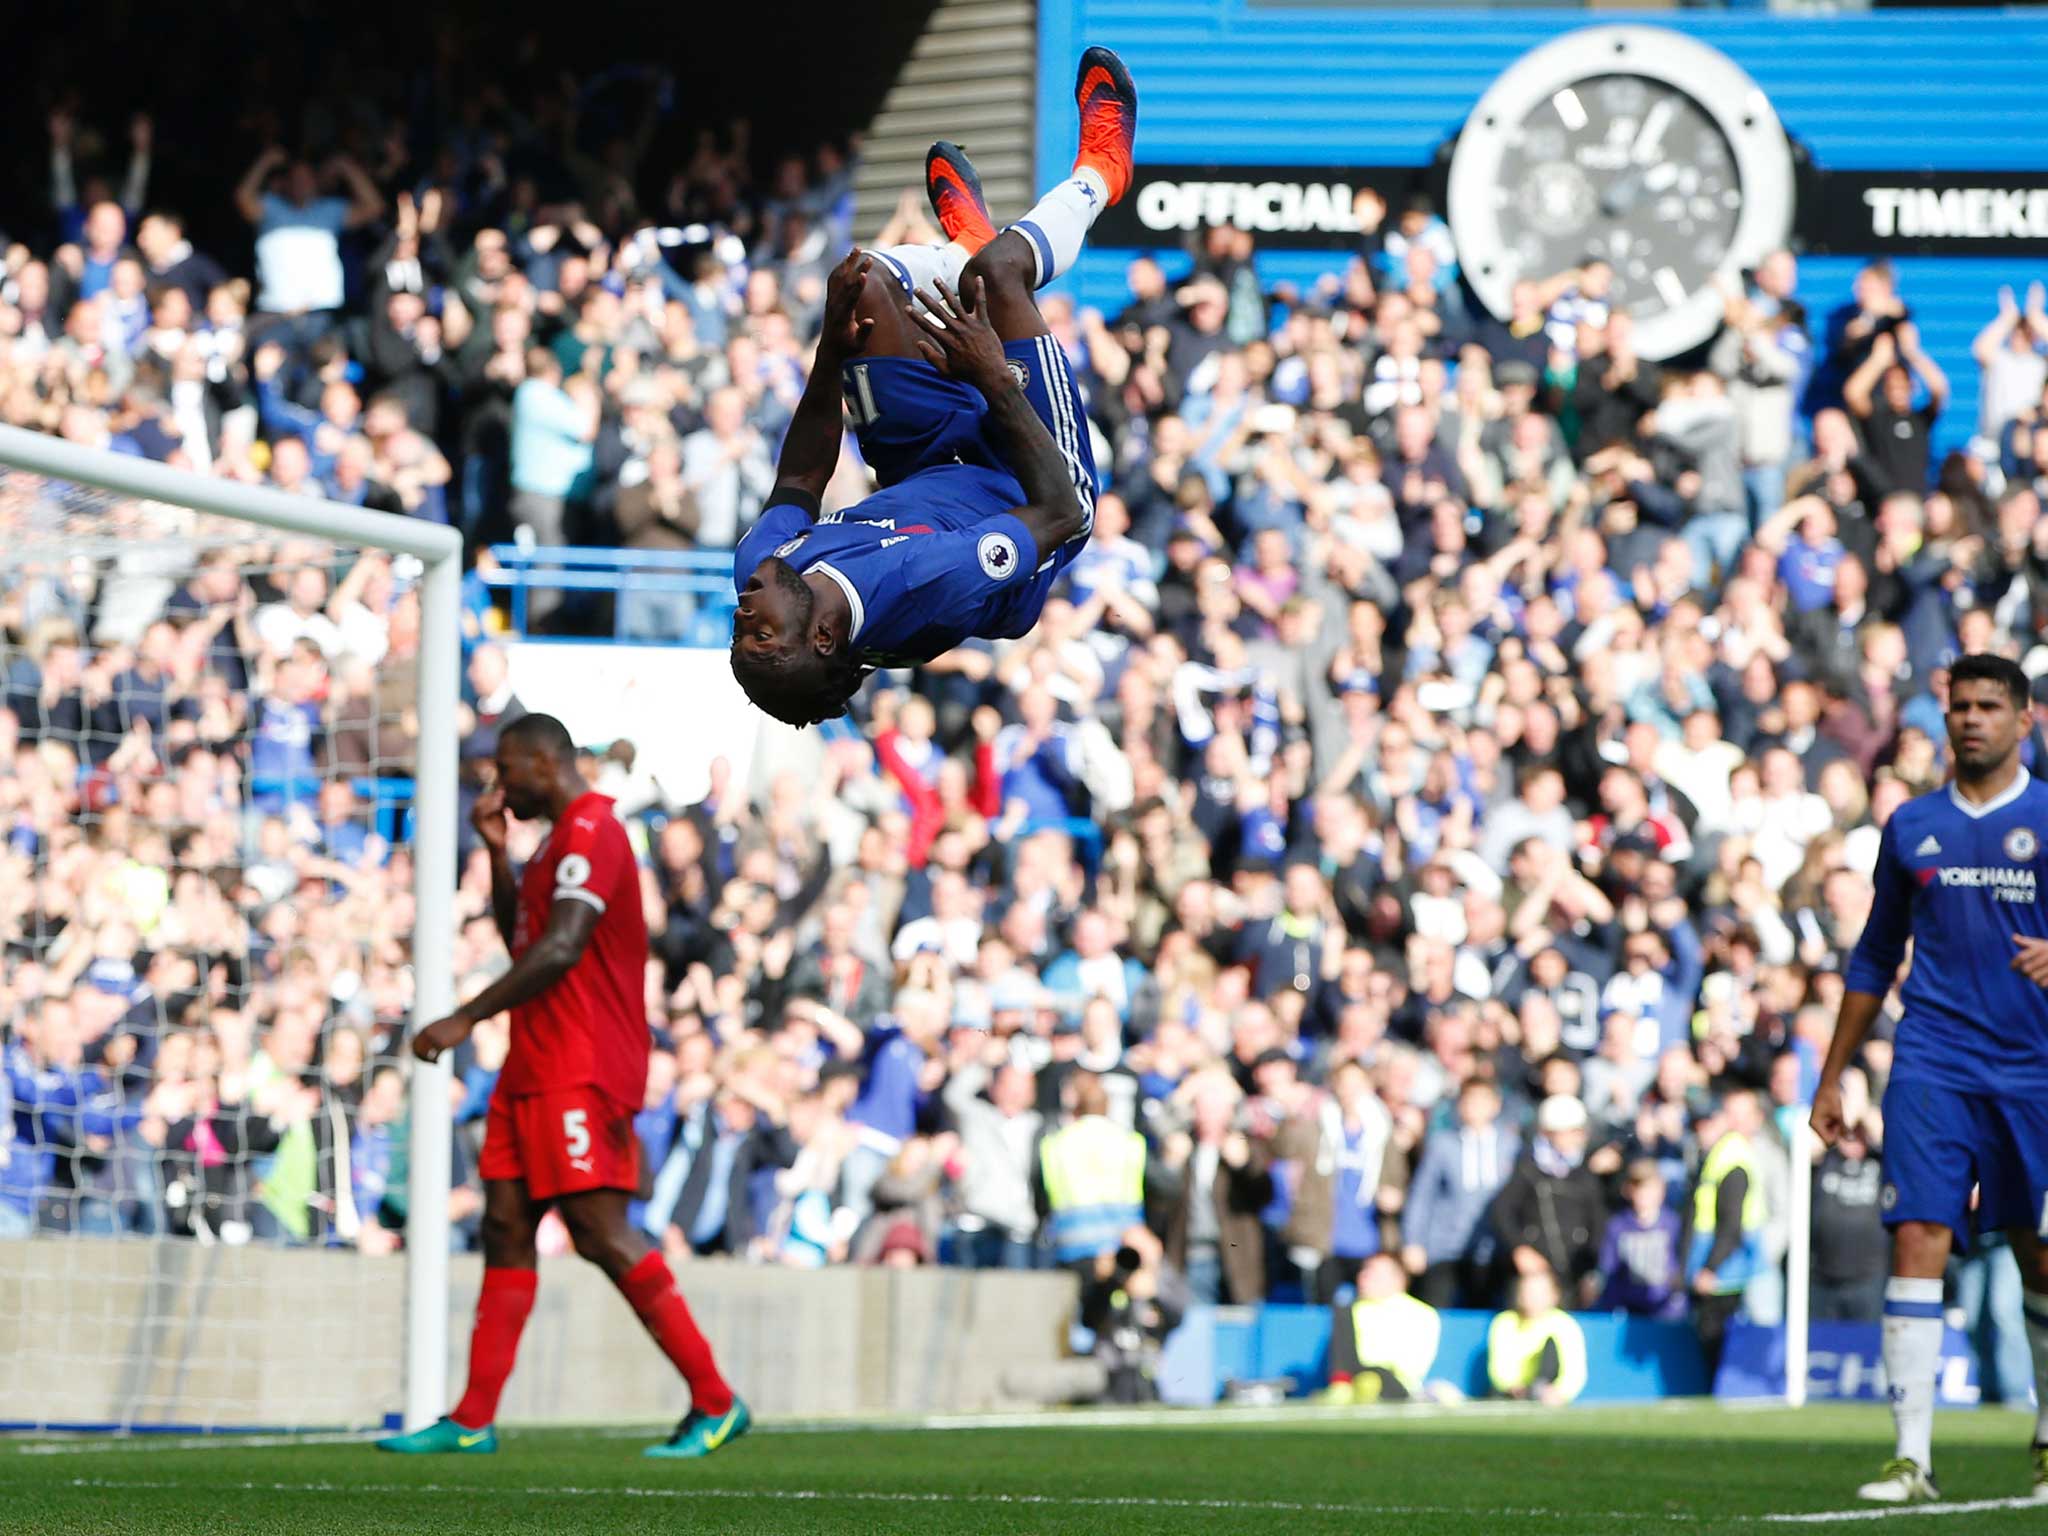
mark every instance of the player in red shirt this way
{"type": "Point", "coordinates": [560, 1130]}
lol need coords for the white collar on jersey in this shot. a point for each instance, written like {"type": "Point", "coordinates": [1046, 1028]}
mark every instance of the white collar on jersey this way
{"type": "Point", "coordinates": [1997, 802]}
{"type": "Point", "coordinates": [860, 612]}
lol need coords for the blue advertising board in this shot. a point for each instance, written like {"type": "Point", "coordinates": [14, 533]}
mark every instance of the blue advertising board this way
{"type": "Point", "coordinates": [1844, 1364]}
{"type": "Point", "coordinates": [1923, 120]}
{"type": "Point", "coordinates": [1629, 1359]}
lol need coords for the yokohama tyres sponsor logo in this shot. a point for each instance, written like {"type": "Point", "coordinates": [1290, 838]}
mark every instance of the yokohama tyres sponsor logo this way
{"type": "Point", "coordinates": [2005, 882]}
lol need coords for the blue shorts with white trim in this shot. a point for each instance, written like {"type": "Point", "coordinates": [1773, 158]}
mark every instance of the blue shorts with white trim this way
{"type": "Point", "coordinates": [1940, 1144]}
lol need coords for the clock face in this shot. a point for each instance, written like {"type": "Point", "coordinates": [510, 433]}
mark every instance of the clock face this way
{"type": "Point", "coordinates": [1634, 146]}
{"type": "Point", "coordinates": [1627, 169]}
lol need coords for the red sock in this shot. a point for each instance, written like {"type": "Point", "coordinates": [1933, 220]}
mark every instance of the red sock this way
{"type": "Point", "coordinates": [652, 1291]}
{"type": "Point", "coordinates": [494, 1342]}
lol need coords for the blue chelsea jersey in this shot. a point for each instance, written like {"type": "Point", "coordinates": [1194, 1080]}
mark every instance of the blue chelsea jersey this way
{"type": "Point", "coordinates": [1960, 881]}
{"type": "Point", "coordinates": [924, 564]}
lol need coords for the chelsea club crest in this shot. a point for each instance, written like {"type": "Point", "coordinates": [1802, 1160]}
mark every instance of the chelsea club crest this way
{"type": "Point", "coordinates": [2021, 844]}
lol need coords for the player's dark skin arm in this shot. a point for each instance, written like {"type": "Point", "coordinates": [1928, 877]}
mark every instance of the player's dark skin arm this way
{"type": "Point", "coordinates": [966, 347]}
{"type": "Point", "coordinates": [545, 961]}
{"type": "Point", "coordinates": [1919, 1248]}
{"type": "Point", "coordinates": [504, 895]}
{"type": "Point", "coordinates": [810, 448]}
{"type": "Point", "coordinates": [1852, 1027]}
{"type": "Point", "coordinates": [488, 817]}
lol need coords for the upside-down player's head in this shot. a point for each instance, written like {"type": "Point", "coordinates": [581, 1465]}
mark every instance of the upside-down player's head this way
{"type": "Point", "coordinates": [789, 664]}
{"type": "Point", "coordinates": [1987, 712]}
{"type": "Point", "coordinates": [535, 754]}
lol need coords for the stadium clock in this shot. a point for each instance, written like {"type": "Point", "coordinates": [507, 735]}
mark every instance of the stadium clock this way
{"type": "Point", "coordinates": [1637, 146]}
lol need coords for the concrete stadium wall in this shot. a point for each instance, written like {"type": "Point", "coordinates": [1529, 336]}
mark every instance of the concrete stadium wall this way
{"type": "Point", "coordinates": [115, 1333]}
{"type": "Point", "coordinates": [795, 1342]}
{"type": "Point", "coordinates": [99, 1332]}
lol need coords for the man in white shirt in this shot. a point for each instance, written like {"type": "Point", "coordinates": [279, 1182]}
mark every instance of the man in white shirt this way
{"type": "Point", "coordinates": [1789, 817]}
{"type": "Point", "coordinates": [1698, 764]}
{"type": "Point", "coordinates": [953, 927]}
{"type": "Point", "coordinates": [361, 609]}
{"type": "Point", "coordinates": [301, 616]}
{"type": "Point", "coordinates": [2008, 353]}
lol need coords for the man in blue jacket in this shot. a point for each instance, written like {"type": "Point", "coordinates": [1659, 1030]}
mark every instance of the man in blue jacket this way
{"type": "Point", "coordinates": [1460, 1172]}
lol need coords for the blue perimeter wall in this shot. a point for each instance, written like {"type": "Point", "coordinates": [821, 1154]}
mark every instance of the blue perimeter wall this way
{"type": "Point", "coordinates": [1227, 82]}
{"type": "Point", "coordinates": [1628, 1359]}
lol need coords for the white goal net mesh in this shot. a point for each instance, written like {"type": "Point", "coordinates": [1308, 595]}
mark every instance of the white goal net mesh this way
{"type": "Point", "coordinates": [207, 735]}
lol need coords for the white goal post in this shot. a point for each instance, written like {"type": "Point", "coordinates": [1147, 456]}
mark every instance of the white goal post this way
{"type": "Point", "coordinates": [1798, 1262]}
{"type": "Point", "coordinates": [433, 847]}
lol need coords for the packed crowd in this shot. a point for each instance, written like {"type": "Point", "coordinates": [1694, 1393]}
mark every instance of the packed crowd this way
{"type": "Point", "coordinates": [1433, 817]}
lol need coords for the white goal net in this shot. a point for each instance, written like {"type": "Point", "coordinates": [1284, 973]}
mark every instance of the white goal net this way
{"type": "Point", "coordinates": [214, 763]}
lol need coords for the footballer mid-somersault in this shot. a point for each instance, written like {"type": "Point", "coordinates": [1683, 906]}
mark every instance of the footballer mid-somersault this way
{"type": "Point", "coordinates": [975, 427]}
{"type": "Point", "coordinates": [967, 412]}
{"type": "Point", "coordinates": [1966, 1105]}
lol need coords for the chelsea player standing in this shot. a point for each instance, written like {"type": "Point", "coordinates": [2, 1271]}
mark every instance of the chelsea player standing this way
{"type": "Point", "coordinates": [1959, 872]}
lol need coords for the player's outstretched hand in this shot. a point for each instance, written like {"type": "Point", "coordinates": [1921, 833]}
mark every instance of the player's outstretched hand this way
{"type": "Point", "coordinates": [441, 1035]}
{"type": "Point", "coordinates": [1827, 1113]}
{"type": "Point", "coordinates": [2031, 961]}
{"type": "Point", "coordinates": [845, 332]}
{"type": "Point", "coordinates": [488, 817]}
{"type": "Point", "coordinates": [959, 340]}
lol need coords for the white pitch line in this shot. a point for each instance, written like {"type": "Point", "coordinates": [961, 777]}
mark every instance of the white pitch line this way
{"type": "Point", "coordinates": [1173, 1418]}
{"type": "Point", "coordinates": [1094, 1418]}
{"type": "Point", "coordinates": [1896, 1511]}
{"type": "Point", "coordinates": [189, 1443]}
{"type": "Point", "coordinates": [1105, 1418]}
{"type": "Point", "coordinates": [872, 1496]}
{"type": "Point", "coordinates": [1142, 1418]}
{"type": "Point", "coordinates": [1047, 1500]}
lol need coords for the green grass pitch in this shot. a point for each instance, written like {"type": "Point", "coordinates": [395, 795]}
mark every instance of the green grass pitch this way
{"type": "Point", "coordinates": [1689, 1469]}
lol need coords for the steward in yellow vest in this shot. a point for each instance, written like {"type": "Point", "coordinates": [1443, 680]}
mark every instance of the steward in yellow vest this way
{"type": "Point", "coordinates": [1382, 1346]}
{"type": "Point", "coordinates": [1094, 1177]}
{"type": "Point", "coordinates": [1536, 1352]}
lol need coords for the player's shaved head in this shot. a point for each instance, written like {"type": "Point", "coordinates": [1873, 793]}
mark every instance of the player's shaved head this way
{"type": "Point", "coordinates": [536, 766]}
{"type": "Point", "coordinates": [542, 734]}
